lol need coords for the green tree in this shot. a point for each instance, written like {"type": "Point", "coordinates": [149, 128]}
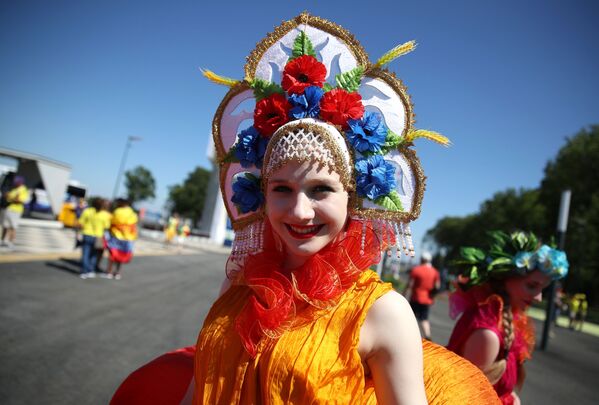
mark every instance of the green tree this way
{"type": "Point", "coordinates": [507, 210]}
{"type": "Point", "coordinates": [140, 184]}
{"type": "Point", "coordinates": [187, 199]}
{"type": "Point", "coordinates": [576, 167]}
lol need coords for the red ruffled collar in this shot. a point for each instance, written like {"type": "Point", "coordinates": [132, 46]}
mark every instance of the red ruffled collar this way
{"type": "Point", "coordinates": [283, 299]}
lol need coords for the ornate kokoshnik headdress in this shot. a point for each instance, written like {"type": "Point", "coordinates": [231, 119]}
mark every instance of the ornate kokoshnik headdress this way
{"type": "Point", "coordinates": [318, 98]}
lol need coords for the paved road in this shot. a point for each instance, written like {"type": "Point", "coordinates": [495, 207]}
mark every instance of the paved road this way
{"type": "Point", "coordinates": [71, 341]}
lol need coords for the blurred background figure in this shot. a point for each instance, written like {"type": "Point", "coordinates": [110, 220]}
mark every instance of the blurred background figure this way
{"type": "Point", "coordinates": [106, 218]}
{"type": "Point", "coordinates": [123, 231]}
{"type": "Point", "coordinates": [93, 225]}
{"type": "Point", "coordinates": [424, 283]}
{"type": "Point", "coordinates": [559, 303]}
{"type": "Point", "coordinates": [171, 228]}
{"type": "Point", "coordinates": [578, 307]}
{"type": "Point", "coordinates": [80, 206]}
{"type": "Point", "coordinates": [13, 205]}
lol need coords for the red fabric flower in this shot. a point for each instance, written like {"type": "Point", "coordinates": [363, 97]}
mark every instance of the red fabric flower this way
{"type": "Point", "coordinates": [303, 72]}
{"type": "Point", "coordinates": [338, 106]}
{"type": "Point", "coordinates": [271, 113]}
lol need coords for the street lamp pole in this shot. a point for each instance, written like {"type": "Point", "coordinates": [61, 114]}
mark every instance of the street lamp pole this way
{"type": "Point", "coordinates": [562, 225]}
{"type": "Point", "coordinates": [130, 139]}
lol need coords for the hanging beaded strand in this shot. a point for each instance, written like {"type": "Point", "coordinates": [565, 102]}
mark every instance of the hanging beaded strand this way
{"type": "Point", "coordinates": [397, 241]}
{"type": "Point", "coordinates": [408, 233]}
{"type": "Point", "coordinates": [363, 243]}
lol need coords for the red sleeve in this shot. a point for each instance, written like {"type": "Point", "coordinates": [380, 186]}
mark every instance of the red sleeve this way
{"type": "Point", "coordinates": [486, 315]}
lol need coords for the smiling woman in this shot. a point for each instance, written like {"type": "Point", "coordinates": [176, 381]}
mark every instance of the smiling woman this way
{"type": "Point", "coordinates": [301, 318]}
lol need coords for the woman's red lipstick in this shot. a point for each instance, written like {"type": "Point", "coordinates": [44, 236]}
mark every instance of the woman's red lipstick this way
{"type": "Point", "coordinates": [303, 231]}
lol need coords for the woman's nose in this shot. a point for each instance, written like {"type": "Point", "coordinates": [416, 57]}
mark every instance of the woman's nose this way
{"type": "Point", "coordinates": [302, 209]}
{"type": "Point", "coordinates": [538, 297]}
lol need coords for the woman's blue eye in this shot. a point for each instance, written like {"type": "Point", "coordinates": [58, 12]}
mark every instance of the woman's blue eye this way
{"type": "Point", "coordinates": [281, 189]}
{"type": "Point", "coordinates": [323, 189]}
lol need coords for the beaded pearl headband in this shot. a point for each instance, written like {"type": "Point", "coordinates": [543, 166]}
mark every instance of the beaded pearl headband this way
{"type": "Point", "coordinates": [312, 89]}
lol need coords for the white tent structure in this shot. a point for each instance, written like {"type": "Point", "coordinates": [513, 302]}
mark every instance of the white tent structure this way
{"type": "Point", "coordinates": [42, 173]}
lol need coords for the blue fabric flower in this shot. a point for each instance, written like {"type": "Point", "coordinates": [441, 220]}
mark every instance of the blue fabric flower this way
{"type": "Point", "coordinates": [375, 177]}
{"type": "Point", "coordinates": [367, 134]}
{"type": "Point", "coordinates": [247, 195]}
{"type": "Point", "coordinates": [306, 105]}
{"type": "Point", "coordinates": [250, 147]}
{"type": "Point", "coordinates": [526, 261]}
{"type": "Point", "coordinates": [544, 259]}
{"type": "Point", "coordinates": [560, 264]}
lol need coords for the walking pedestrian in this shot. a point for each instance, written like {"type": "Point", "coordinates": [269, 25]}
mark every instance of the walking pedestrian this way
{"type": "Point", "coordinates": [123, 232]}
{"type": "Point", "coordinates": [92, 225]}
{"type": "Point", "coordinates": [423, 284]}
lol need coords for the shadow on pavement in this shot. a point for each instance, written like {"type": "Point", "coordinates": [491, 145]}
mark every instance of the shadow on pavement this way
{"type": "Point", "coordinates": [67, 265]}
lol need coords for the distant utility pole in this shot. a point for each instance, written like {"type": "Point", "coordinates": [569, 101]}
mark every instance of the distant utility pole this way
{"type": "Point", "coordinates": [130, 139]}
{"type": "Point", "coordinates": [562, 225]}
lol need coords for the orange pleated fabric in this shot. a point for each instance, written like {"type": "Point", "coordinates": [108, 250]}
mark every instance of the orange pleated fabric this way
{"type": "Point", "coordinates": [317, 362]}
{"type": "Point", "coordinates": [450, 379]}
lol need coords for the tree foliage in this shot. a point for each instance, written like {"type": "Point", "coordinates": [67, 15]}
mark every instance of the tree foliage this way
{"type": "Point", "coordinates": [140, 184]}
{"type": "Point", "coordinates": [187, 199]}
{"type": "Point", "coordinates": [576, 167]}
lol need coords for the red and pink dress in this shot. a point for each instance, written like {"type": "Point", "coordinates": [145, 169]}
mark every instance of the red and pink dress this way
{"type": "Point", "coordinates": [482, 309]}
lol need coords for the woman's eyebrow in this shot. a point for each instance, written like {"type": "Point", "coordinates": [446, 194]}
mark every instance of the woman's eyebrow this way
{"type": "Point", "coordinates": [277, 181]}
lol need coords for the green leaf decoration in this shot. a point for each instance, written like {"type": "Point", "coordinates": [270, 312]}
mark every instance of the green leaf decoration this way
{"type": "Point", "coordinates": [392, 141]}
{"type": "Point", "coordinates": [302, 46]}
{"type": "Point", "coordinates": [390, 201]}
{"type": "Point", "coordinates": [473, 255]}
{"type": "Point", "coordinates": [350, 81]}
{"type": "Point", "coordinates": [473, 273]}
{"type": "Point", "coordinates": [500, 261]}
{"type": "Point", "coordinates": [230, 156]}
{"type": "Point", "coordinates": [327, 87]}
{"type": "Point", "coordinates": [252, 177]}
{"type": "Point", "coordinates": [263, 88]}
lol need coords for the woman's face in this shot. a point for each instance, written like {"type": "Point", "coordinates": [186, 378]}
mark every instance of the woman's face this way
{"type": "Point", "coordinates": [523, 291]}
{"type": "Point", "coordinates": [307, 208]}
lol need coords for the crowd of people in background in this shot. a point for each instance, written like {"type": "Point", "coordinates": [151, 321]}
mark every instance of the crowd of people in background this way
{"type": "Point", "coordinates": [100, 230]}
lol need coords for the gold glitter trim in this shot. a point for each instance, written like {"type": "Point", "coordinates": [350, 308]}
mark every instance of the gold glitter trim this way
{"type": "Point", "coordinates": [240, 223]}
{"type": "Point", "coordinates": [345, 173]}
{"type": "Point", "coordinates": [397, 85]}
{"type": "Point", "coordinates": [382, 213]}
{"type": "Point", "coordinates": [304, 18]}
{"type": "Point", "coordinates": [216, 135]}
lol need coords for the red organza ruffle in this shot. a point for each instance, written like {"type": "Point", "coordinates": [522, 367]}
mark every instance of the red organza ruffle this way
{"type": "Point", "coordinates": [317, 284]}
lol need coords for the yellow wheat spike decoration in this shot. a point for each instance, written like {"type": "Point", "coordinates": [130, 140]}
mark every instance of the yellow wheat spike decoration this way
{"type": "Point", "coordinates": [396, 53]}
{"type": "Point", "coordinates": [431, 135]}
{"type": "Point", "coordinates": [213, 77]}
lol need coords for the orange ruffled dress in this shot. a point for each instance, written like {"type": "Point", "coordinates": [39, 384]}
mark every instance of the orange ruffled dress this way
{"type": "Point", "coordinates": [317, 362]}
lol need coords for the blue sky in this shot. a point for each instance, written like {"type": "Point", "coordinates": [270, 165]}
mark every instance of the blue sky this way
{"type": "Point", "coordinates": [507, 81]}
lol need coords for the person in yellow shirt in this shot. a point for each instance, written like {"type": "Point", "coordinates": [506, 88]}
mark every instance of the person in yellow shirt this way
{"type": "Point", "coordinates": [11, 215]}
{"type": "Point", "coordinates": [93, 224]}
{"type": "Point", "coordinates": [123, 231]}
